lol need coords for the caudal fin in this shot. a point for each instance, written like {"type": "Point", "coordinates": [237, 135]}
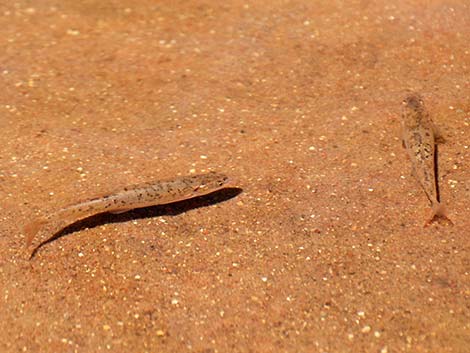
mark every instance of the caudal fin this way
{"type": "Point", "coordinates": [31, 229]}
{"type": "Point", "coordinates": [439, 212]}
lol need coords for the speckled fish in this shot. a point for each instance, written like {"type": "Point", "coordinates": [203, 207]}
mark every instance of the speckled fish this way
{"type": "Point", "coordinates": [419, 139]}
{"type": "Point", "coordinates": [137, 196]}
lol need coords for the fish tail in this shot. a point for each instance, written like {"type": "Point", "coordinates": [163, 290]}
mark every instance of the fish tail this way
{"type": "Point", "coordinates": [32, 228]}
{"type": "Point", "coordinates": [439, 212]}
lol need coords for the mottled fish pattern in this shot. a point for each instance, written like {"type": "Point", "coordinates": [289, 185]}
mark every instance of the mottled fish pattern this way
{"type": "Point", "coordinates": [419, 139]}
{"type": "Point", "coordinates": [136, 196]}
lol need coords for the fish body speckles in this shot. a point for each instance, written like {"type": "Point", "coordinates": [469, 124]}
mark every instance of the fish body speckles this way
{"type": "Point", "coordinates": [419, 140]}
{"type": "Point", "coordinates": [128, 198]}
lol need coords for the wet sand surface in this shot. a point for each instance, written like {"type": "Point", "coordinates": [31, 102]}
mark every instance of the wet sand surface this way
{"type": "Point", "coordinates": [323, 250]}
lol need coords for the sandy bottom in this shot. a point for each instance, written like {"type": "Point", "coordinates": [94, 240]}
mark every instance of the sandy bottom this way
{"type": "Point", "coordinates": [322, 246]}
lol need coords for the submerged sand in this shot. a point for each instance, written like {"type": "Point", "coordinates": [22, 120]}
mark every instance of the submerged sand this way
{"type": "Point", "coordinates": [324, 249]}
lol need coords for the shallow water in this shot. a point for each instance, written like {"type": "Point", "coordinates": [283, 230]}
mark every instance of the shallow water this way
{"type": "Point", "coordinates": [299, 101]}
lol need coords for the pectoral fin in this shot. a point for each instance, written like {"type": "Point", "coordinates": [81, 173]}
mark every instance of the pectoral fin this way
{"type": "Point", "coordinates": [120, 211]}
{"type": "Point", "coordinates": [402, 133]}
{"type": "Point", "coordinates": [438, 135]}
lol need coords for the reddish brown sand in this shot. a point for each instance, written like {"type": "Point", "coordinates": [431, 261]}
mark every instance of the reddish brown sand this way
{"type": "Point", "coordinates": [323, 251]}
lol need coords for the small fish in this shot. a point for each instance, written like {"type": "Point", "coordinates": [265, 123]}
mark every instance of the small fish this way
{"type": "Point", "coordinates": [137, 196]}
{"type": "Point", "coordinates": [420, 137]}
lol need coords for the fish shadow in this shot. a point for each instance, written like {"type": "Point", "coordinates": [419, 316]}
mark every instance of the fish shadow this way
{"type": "Point", "coordinates": [170, 209]}
{"type": "Point", "coordinates": [436, 172]}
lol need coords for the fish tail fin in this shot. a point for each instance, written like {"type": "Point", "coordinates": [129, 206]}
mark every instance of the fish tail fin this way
{"type": "Point", "coordinates": [32, 228]}
{"type": "Point", "coordinates": [439, 212]}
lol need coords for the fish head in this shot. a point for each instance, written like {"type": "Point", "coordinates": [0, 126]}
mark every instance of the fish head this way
{"type": "Point", "coordinates": [413, 110]}
{"type": "Point", "coordinates": [413, 101]}
{"type": "Point", "coordinates": [204, 183]}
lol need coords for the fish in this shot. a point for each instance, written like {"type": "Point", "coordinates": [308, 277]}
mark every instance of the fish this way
{"type": "Point", "coordinates": [128, 198]}
{"type": "Point", "coordinates": [420, 137]}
